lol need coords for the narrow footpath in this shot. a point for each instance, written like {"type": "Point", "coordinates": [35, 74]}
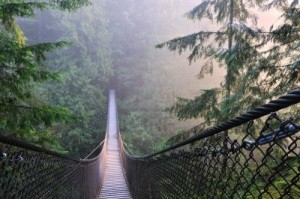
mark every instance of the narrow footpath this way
{"type": "Point", "coordinates": [114, 183]}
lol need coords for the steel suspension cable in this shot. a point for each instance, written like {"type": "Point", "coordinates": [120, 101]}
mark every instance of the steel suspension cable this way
{"type": "Point", "coordinates": [289, 99]}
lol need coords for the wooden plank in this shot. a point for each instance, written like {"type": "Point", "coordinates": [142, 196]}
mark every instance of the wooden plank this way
{"type": "Point", "coordinates": [114, 184]}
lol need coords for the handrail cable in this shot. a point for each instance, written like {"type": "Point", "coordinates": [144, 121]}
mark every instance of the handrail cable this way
{"type": "Point", "coordinates": [260, 160]}
{"type": "Point", "coordinates": [30, 171]}
{"type": "Point", "coordinates": [101, 143]}
{"type": "Point", "coordinates": [28, 146]}
{"type": "Point", "coordinates": [289, 99]}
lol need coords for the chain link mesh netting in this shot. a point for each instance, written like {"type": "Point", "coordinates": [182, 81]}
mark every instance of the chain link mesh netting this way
{"type": "Point", "coordinates": [259, 160]}
{"type": "Point", "coordinates": [255, 160]}
{"type": "Point", "coordinates": [27, 171]}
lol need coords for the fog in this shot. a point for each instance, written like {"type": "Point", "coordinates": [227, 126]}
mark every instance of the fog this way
{"type": "Point", "coordinates": [181, 74]}
{"type": "Point", "coordinates": [113, 46]}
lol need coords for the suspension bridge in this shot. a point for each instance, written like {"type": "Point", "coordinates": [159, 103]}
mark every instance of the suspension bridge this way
{"type": "Point", "coordinates": [258, 157]}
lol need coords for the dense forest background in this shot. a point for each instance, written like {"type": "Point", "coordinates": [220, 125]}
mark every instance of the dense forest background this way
{"type": "Point", "coordinates": [84, 67]}
{"type": "Point", "coordinates": [110, 46]}
{"type": "Point", "coordinates": [147, 79]}
{"type": "Point", "coordinates": [77, 53]}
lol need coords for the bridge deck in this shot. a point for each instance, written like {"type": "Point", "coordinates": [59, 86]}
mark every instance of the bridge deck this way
{"type": "Point", "coordinates": [114, 185]}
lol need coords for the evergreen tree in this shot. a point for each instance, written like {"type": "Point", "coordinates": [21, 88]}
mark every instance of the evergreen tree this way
{"type": "Point", "coordinates": [277, 70]}
{"type": "Point", "coordinates": [85, 68]}
{"type": "Point", "coordinates": [143, 85]}
{"type": "Point", "coordinates": [21, 67]}
{"type": "Point", "coordinates": [253, 73]}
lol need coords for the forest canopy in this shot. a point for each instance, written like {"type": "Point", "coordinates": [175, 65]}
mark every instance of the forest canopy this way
{"type": "Point", "coordinates": [59, 58]}
{"type": "Point", "coordinates": [23, 114]}
{"type": "Point", "coordinates": [261, 63]}
{"type": "Point", "coordinates": [38, 75]}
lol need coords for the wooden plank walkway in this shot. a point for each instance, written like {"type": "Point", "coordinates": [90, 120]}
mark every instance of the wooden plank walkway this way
{"type": "Point", "coordinates": [114, 184]}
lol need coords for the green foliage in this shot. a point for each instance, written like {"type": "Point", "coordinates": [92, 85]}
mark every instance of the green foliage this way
{"type": "Point", "coordinates": [143, 85]}
{"type": "Point", "coordinates": [69, 4]}
{"type": "Point", "coordinates": [202, 106]}
{"type": "Point", "coordinates": [85, 68]}
{"type": "Point", "coordinates": [260, 65]}
{"type": "Point", "coordinates": [23, 113]}
{"type": "Point", "coordinates": [138, 138]}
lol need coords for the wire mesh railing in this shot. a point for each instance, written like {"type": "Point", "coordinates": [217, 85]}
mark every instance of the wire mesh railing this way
{"type": "Point", "coordinates": [28, 171]}
{"type": "Point", "coordinates": [253, 159]}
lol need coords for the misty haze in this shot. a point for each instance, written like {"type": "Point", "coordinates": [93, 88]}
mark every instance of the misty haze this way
{"type": "Point", "coordinates": [149, 99]}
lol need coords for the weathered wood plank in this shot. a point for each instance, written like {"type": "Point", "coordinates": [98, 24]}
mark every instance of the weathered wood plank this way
{"type": "Point", "coordinates": [114, 184]}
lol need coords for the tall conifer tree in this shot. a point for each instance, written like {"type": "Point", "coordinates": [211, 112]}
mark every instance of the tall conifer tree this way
{"type": "Point", "coordinates": [22, 67]}
{"type": "Point", "coordinates": [85, 68]}
{"type": "Point", "coordinates": [253, 74]}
